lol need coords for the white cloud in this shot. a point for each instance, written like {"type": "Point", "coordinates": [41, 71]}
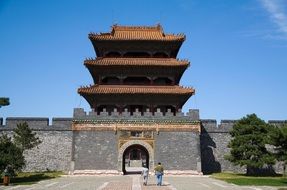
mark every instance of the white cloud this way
{"type": "Point", "coordinates": [275, 8]}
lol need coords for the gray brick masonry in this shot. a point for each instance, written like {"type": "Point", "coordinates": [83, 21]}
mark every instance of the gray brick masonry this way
{"type": "Point", "coordinates": [177, 150]}
{"type": "Point", "coordinates": [95, 150]}
{"type": "Point", "coordinates": [54, 153]}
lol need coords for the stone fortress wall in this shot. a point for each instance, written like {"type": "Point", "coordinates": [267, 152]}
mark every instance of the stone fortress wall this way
{"type": "Point", "coordinates": [214, 139]}
{"type": "Point", "coordinates": [55, 152]}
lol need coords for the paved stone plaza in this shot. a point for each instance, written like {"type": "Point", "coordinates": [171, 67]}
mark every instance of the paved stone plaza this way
{"type": "Point", "coordinates": [132, 182]}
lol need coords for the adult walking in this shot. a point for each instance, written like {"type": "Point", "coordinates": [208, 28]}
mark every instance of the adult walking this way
{"type": "Point", "coordinates": [158, 173]}
{"type": "Point", "coordinates": [145, 174]}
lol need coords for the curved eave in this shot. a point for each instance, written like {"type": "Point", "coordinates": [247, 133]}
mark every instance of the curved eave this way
{"type": "Point", "coordinates": [107, 37]}
{"type": "Point", "coordinates": [158, 62]}
{"type": "Point", "coordinates": [135, 95]}
{"type": "Point", "coordinates": [132, 89]}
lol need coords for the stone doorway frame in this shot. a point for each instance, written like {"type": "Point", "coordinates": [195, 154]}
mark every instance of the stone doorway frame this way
{"type": "Point", "coordinates": [147, 146]}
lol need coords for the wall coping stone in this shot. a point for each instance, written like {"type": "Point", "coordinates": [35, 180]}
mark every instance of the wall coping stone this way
{"type": "Point", "coordinates": [62, 119]}
{"type": "Point", "coordinates": [225, 126]}
{"type": "Point", "coordinates": [39, 123]}
{"type": "Point", "coordinates": [228, 121]}
{"type": "Point", "coordinates": [28, 118]}
{"type": "Point", "coordinates": [277, 121]}
{"type": "Point", "coordinates": [208, 121]}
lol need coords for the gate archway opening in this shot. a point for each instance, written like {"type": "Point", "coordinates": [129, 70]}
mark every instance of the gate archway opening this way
{"type": "Point", "coordinates": [134, 158]}
{"type": "Point", "coordinates": [144, 146]}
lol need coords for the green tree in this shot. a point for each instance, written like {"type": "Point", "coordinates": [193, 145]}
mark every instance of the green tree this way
{"type": "Point", "coordinates": [278, 138]}
{"type": "Point", "coordinates": [4, 101]}
{"type": "Point", "coordinates": [24, 138]}
{"type": "Point", "coordinates": [249, 137]}
{"type": "Point", "coordinates": [10, 154]}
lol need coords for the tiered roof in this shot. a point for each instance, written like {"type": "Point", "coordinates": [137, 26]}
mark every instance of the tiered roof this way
{"type": "Point", "coordinates": [127, 55]}
{"type": "Point", "coordinates": [137, 33]}
{"type": "Point", "coordinates": [136, 62]}
{"type": "Point", "coordinates": [133, 89]}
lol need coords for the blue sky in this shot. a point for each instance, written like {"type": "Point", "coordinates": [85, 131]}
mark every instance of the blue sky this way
{"type": "Point", "coordinates": [237, 49]}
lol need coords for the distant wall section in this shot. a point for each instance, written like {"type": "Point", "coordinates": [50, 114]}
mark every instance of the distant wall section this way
{"type": "Point", "coordinates": [214, 140]}
{"type": "Point", "coordinates": [54, 153]}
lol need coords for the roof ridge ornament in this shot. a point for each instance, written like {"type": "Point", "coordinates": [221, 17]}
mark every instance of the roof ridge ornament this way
{"type": "Point", "coordinates": [153, 33]}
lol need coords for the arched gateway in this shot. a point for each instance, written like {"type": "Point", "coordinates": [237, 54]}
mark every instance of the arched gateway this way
{"type": "Point", "coordinates": [141, 150]}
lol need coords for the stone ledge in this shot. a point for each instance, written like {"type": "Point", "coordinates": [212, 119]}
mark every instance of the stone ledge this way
{"type": "Point", "coordinates": [119, 127]}
{"type": "Point", "coordinates": [182, 172]}
{"type": "Point", "coordinates": [95, 172]}
{"type": "Point", "coordinates": [116, 172]}
{"type": "Point", "coordinates": [135, 121]}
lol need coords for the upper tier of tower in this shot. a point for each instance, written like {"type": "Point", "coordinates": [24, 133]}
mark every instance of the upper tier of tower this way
{"type": "Point", "coordinates": [136, 41]}
{"type": "Point", "coordinates": [138, 71]}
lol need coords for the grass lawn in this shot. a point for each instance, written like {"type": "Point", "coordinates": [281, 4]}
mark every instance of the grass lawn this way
{"type": "Point", "coordinates": [27, 178]}
{"type": "Point", "coordinates": [241, 179]}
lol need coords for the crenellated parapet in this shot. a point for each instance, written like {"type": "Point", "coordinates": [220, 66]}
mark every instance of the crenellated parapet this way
{"type": "Point", "coordinates": [278, 122]}
{"type": "Point", "coordinates": [225, 126]}
{"type": "Point", "coordinates": [42, 123]}
{"type": "Point", "coordinates": [37, 123]}
{"type": "Point", "coordinates": [211, 126]}
{"type": "Point", "coordinates": [136, 121]}
{"type": "Point", "coordinates": [192, 115]}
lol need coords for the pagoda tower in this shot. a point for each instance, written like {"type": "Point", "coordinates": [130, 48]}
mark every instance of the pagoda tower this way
{"type": "Point", "coordinates": [136, 101]}
{"type": "Point", "coordinates": [136, 69]}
